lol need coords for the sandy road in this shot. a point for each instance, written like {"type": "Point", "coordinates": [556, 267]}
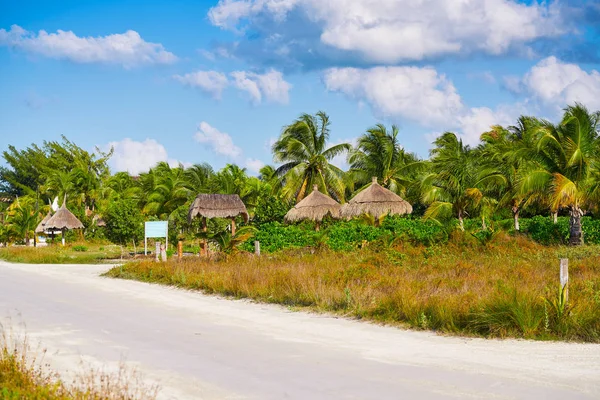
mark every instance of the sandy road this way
{"type": "Point", "coordinates": [205, 347]}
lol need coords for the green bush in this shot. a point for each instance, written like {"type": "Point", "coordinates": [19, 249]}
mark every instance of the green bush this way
{"type": "Point", "coordinates": [80, 247]}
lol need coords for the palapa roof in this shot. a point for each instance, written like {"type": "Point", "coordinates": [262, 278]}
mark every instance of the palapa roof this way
{"type": "Point", "coordinates": [63, 219]}
{"type": "Point", "coordinates": [217, 206]}
{"type": "Point", "coordinates": [314, 207]}
{"type": "Point", "coordinates": [376, 200]}
{"type": "Point", "coordinates": [41, 228]}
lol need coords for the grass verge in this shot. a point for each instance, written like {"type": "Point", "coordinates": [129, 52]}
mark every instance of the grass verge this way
{"type": "Point", "coordinates": [56, 254]}
{"type": "Point", "coordinates": [23, 375]}
{"type": "Point", "coordinates": [507, 287]}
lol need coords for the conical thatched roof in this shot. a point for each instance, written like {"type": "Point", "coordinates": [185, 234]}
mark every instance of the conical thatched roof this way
{"type": "Point", "coordinates": [376, 200]}
{"type": "Point", "coordinates": [63, 219]}
{"type": "Point", "coordinates": [41, 228]}
{"type": "Point", "coordinates": [218, 206]}
{"type": "Point", "coordinates": [314, 207]}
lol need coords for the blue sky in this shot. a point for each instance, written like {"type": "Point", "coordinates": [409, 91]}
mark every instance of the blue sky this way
{"type": "Point", "coordinates": [215, 81]}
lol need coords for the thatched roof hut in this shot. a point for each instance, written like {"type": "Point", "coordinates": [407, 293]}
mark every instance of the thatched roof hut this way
{"type": "Point", "coordinates": [314, 207]}
{"type": "Point", "coordinates": [217, 206]}
{"type": "Point", "coordinates": [41, 228]}
{"type": "Point", "coordinates": [376, 201]}
{"type": "Point", "coordinates": [63, 219]}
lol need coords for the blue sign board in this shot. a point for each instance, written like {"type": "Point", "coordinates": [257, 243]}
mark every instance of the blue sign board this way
{"type": "Point", "coordinates": [155, 229]}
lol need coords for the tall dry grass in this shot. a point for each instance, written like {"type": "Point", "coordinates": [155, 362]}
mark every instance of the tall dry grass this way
{"type": "Point", "coordinates": [503, 288]}
{"type": "Point", "coordinates": [56, 254]}
{"type": "Point", "coordinates": [25, 375]}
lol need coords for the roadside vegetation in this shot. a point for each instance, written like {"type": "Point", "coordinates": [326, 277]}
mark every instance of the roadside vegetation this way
{"type": "Point", "coordinates": [24, 375]}
{"type": "Point", "coordinates": [74, 253]}
{"type": "Point", "coordinates": [505, 287]}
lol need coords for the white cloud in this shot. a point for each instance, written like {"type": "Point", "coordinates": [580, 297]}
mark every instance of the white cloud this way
{"type": "Point", "coordinates": [127, 49]}
{"type": "Point", "coordinates": [254, 165]}
{"type": "Point", "coordinates": [418, 94]}
{"type": "Point", "coordinates": [211, 82]}
{"type": "Point", "coordinates": [391, 31]}
{"type": "Point", "coordinates": [480, 119]}
{"type": "Point", "coordinates": [136, 157]}
{"type": "Point", "coordinates": [219, 142]}
{"type": "Point", "coordinates": [269, 85]}
{"type": "Point", "coordinates": [558, 84]}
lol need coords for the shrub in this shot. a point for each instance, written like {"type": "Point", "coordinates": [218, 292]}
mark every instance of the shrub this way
{"type": "Point", "coordinates": [123, 222]}
{"type": "Point", "coordinates": [80, 248]}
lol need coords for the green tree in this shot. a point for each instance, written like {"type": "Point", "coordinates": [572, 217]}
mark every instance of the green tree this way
{"type": "Point", "coordinates": [451, 187]}
{"type": "Point", "coordinates": [306, 160]}
{"type": "Point", "coordinates": [379, 153]}
{"type": "Point", "coordinates": [567, 165]}
{"type": "Point", "coordinates": [23, 218]}
{"type": "Point", "coordinates": [123, 221]}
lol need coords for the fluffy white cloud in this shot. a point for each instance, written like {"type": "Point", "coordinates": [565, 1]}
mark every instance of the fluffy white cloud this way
{"type": "Point", "coordinates": [219, 142]}
{"type": "Point", "coordinates": [136, 157]}
{"type": "Point", "coordinates": [418, 94]}
{"type": "Point", "coordinates": [390, 31]}
{"type": "Point", "coordinates": [211, 82]}
{"type": "Point", "coordinates": [127, 49]}
{"type": "Point", "coordinates": [477, 120]}
{"type": "Point", "coordinates": [271, 86]}
{"type": "Point", "coordinates": [557, 84]}
{"type": "Point", "coordinates": [254, 165]}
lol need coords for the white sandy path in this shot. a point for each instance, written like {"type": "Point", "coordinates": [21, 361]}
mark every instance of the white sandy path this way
{"type": "Point", "coordinates": [198, 346]}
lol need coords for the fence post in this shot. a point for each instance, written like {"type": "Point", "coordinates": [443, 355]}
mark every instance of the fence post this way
{"type": "Point", "coordinates": [180, 250]}
{"type": "Point", "coordinates": [163, 252]}
{"type": "Point", "coordinates": [257, 247]}
{"type": "Point", "coordinates": [564, 276]}
{"type": "Point", "coordinates": [157, 251]}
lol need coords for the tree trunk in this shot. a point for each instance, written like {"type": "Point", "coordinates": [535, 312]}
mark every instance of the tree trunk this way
{"type": "Point", "coordinates": [232, 227]}
{"type": "Point", "coordinates": [204, 250]}
{"type": "Point", "coordinates": [26, 239]}
{"type": "Point", "coordinates": [483, 224]}
{"type": "Point", "coordinates": [555, 216]}
{"type": "Point", "coordinates": [515, 211]}
{"type": "Point", "coordinates": [318, 226]}
{"type": "Point", "coordinates": [461, 223]}
{"type": "Point", "coordinates": [575, 230]}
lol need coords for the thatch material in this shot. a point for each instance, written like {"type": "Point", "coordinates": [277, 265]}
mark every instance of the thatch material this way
{"type": "Point", "coordinates": [41, 228]}
{"type": "Point", "coordinates": [63, 219]}
{"type": "Point", "coordinates": [314, 207]}
{"type": "Point", "coordinates": [217, 206]}
{"type": "Point", "coordinates": [376, 201]}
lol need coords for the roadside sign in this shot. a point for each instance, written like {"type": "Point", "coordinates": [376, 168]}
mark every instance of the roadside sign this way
{"type": "Point", "coordinates": [155, 229]}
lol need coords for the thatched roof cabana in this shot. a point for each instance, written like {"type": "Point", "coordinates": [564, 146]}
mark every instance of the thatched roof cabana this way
{"type": "Point", "coordinates": [376, 201]}
{"type": "Point", "coordinates": [63, 220]}
{"type": "Point", "coordinates": [218, 206]}
{"type": "Point", "coordinates": [314, 207]}
{"type": "Point", "coordinates": [41, 228]}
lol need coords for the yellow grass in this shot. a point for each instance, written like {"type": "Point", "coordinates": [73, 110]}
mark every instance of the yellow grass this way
{"type": "Point", "coordinates": [507, 288]}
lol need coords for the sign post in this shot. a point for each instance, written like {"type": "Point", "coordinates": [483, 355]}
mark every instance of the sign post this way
{"type": "Point", "coordinates": [155, 229]}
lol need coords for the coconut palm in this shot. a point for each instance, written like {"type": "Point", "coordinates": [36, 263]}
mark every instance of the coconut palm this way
{"type": "Point", "coordinates": [306, 159]}
{"type": "Point", "coordinates": [379, 154]}
{"type": "Point", "coordinates": [568, 165]}
{"type": "Point", "coordinates": [451, 187]}
{"type": "Point", "coordinates": [169, 191]}
{"type": "Point", "coordinates": [23, 219]}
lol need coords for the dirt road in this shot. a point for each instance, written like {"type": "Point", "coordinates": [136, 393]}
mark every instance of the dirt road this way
{"type": "Point", "coordinates": [205, 347]}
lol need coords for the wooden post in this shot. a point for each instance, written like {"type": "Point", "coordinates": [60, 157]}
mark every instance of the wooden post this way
{"type": "Point", "coordinates": [157, 251]}
{"type": "Point", "coordinates": [163, 253]}
{"type": "Point", "coordinates": [564, 276]}
{"type": "Point", "coordinates": [232, 226]}
{"type": "Point", "coordinates": [257, 247]}
{"type": "Point", "coordinates": [180, 250]}
{"type": "Point", "coordinates": [63, 237]}
{"type": "Point", "coordinates": [204, 251]}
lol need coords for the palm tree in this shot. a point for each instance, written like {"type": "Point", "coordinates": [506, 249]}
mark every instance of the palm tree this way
{"type": "Point", "coordinates": [568, 166]}
{"type": "Point", "coordinates": [198, 177]}
{"type": "Point", "coordinates": [302, 149]}
{"type": "Point", "coordinates": [23, 219]}
{"type": "Point", "coordinates": [451, 187]}
{"type": "Point", "coordinates": [169, 191]}
{"type": "Point", "coordinates": [380, 154]}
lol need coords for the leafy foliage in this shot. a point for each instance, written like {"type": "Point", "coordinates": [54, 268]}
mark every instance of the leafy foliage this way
{"type": "Point", "coordinates": [123, 222]}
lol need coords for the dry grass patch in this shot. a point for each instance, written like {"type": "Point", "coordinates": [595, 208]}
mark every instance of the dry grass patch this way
{"type": "Point", "coordinates": [24, 375]}
{"type": "Point", "coordinates": [506, 288]}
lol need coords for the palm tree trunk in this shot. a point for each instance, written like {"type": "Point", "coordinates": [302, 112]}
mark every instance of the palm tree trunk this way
{"type": "Point", "coordinates": [575, 230]}
{"type": "Point", "coordinates": [483, 224]}
{"type": "Point", "coordinates": [461, 223]}
{"type": "Point", "coordinates": [515, 211]}
{"type": "Point", "coordinates": [232, 227]}
{"type": "Point", "coordinates": [555, 216]}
